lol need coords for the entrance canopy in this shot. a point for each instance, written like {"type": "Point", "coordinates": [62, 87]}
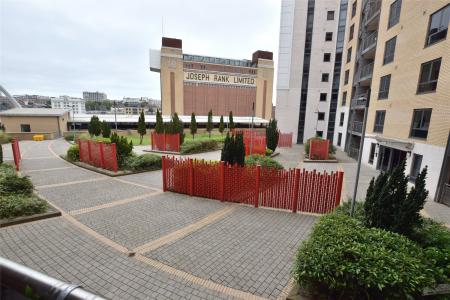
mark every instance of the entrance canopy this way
{"type": "Point", "coordinates": [396, 144]}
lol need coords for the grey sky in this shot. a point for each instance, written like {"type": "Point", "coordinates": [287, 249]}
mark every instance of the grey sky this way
{"type": "Point", "coordinates": [56, 47]}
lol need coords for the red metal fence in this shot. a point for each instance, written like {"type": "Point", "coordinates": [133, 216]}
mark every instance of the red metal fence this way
{"type": "Point", "coordinates": [257, 143]}
{"type": "Point", "coordinates": [98, 154]}
{"type": "Point", "coordinates": [318, 149]}
{"type": "Point", "coordinates": [285, 139]}
{"type": "Point", "coordinates": [16, 153]}
{"type": "Point", "coordinates": [293, 189]}
{"type": "Point", "coordinates": [165, 142]}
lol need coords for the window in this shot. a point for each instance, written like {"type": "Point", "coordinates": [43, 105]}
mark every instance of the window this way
{"type": "Point", "coordinates": [319, 133]}
{"type": "Point", "coordinates": [346, 77]}
{"type": "Point", "coordinates": [330, 15]}
{"type": "Point", "coordinates": [385, 83]}
{"type": "Point", "coordinates": [341, 119]}
{"type": "Point", "coordinates": [352, 31]}
{"type": "Point", "coordinates": [420, 123]}
{"type": "Point", "coordinates": [353, 9]}
{"type": "Point", "coordinates": [379, 121]}
{"type": "Point", "coordinates": [394, 13]}
{"type": "Point", "coordinates": [438, 25]}
{"type": "Point", "coordinates": [321, 116]}
{"type": "Point", "coordinates": [325, 77]}
{"type": "Point", "coordinates": [349, 54]}
{"type": "Point", "coordinates": [415, 166]}
{"type": "Point", "coordinates": [339, 139]}
{"type": "Point", "coordinates": [372, 153]}
{"type": "Point", "coordinates": [25, 128]}
{"type": "Point", "coordinates": [429, 74]}
{"type": "Point", "coordinates": [323, 96]}
{"type": "Point", "coordinates": [344, 98]}
{"type": "Point", "coordinates": [328, 36]}
{"type": "Point", "coordinates": [327, 57]}
{"type": "Point", "coordinates": [389, 50]}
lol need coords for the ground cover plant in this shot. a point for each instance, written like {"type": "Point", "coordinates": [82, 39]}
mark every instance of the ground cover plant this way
{"type": "Point", "coordinates": [263, 161]}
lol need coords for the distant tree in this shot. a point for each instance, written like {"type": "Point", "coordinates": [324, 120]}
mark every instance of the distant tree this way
{"type": "Point", "coordinates": [230, 121]}
{"type": "Point", "coordinates": [272, 135]}
{"type": "Point", "coordinates": [193, 126]}
{"type": "Point", "coordinates": [159, 127]}
{"type": "Point", "coordinates": [221, 125]}
{"type": "Point", "coordinates": [210, 125]}
{"type": "Point", "coordinates": [142, 130]}
{"type": "Point", "coordinates": [94, 127]}
{"type": "Point", "coordinates": [106, 129]}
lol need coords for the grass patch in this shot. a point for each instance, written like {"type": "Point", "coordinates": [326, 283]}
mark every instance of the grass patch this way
{"type": "Point", "coordinates": [263, 161]}
{"type": "Point", "coordinates": [144, 162]}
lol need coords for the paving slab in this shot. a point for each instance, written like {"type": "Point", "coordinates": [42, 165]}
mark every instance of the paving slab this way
{"type": "Point", "coordinates": [44, 162]}
{"type": "Point", "coordinates": [149, 179]}
{"type": "Point", "coordinates": [142, 221]}
{"type": "Point", "coordinates": [60, 176]}
{"type": "Point", "coordinates": [250, 250]}
{"type": "Point", "coordinates": [88, 194]}
{"type": "Point", "coordinates": [59, 249]}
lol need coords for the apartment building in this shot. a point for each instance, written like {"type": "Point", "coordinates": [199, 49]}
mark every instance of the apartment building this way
{"type": "Point", "coordinates": [309, 66]}
{"type": "Point", "coordinates": [72, 104]}
{"type": "Point", "coordinates": [94, 96]}
{"type": "Point", "coordinates": [397, 62]}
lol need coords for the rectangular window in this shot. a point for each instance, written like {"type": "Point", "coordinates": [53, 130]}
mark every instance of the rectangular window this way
{"type": "Point", "coordinates": [346, 77]}
{"type": "Point", "coordinates": [339, 139]}
{"type": "Point", "coordinates": [341, 119]}
{"type": "Point", "coordinates": [344, 98]}
{"type": "Point", "coordinates": [438, 25]}
{"type": "Point", "coordinates": [319, 133]}
{"type": "Point", "coordinates": [372, 153]}
{"type": "Point", "coordinates": [328, 36]}
{"type": "Point", "coordinates": [349, 54]}
{"type": "Point", "coordinates": [420, 123]}
{"type": "Point", "coordinates": [353, 9]}
{"type": "Point", "coordinates": [394, 13]}
{"type": "Point", "coordinates": [330, 15]}
{"type": "Point", "coordinates": [323, 96]}
{"type": "Point", "coordinates": [321, 116]}
{"type": "Point", "coordinates": [25, 128]}
{"type": "Point", "coordinates": [325, 77]}
{"type": "Point", "coordinates": [415, 166]}
{"type": "Point", "coordinates": [429, 74]}
{"type": "Point", "coordinates": [379, 121]}
{"type": "Point", "coordinates": [352, 31]}
{"type": "Point", "coordinates": [385, 82]}
{"type": "Point", "coordinates": [327, 57]}
{"type": "Point", "coordinates": [389, 50]}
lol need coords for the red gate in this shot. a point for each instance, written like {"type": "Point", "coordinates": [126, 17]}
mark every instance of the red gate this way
{"type": "Point", "coordinates": [165, 142]}
{"type": "Point", "coordinates": [16, 153]}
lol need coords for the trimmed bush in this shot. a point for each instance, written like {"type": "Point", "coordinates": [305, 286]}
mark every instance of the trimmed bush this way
{"type": "Point", "coordinates": [123, 148]}
{"type": "Point", "coordinates": [73, 153]}
{"type": "Point", "coordinates": [343, 259]}
{"type": "Point", "coordinates": [147, 162]}
{"type": "Point", "coordinates": [198, 146]}
{"type": "Point", "coordinates": [12, 206]}
{"type": "Point", "coordinates": [11, 183]}
{"type": "Point", "coordinates": [5, 138]}
{"type": "Point", "coordinates": [269, 152]}
{"type": "Point", "coordinates": [272, 135]}
{"type": "Point", "coordinates": [263, 161]}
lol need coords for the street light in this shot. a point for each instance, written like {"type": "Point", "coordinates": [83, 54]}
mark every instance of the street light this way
{"type": "Point", "coordinates": [361, 146]}
{"type": "Point", "coordinates": [73, 121]}
{"type": "Point", "coordinates": [115, 113]}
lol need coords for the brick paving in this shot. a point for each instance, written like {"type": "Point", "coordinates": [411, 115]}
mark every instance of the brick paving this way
{"type": "Point", "coordinates": [59, 176]}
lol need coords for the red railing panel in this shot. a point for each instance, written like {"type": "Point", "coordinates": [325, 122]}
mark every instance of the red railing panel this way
{"type": "Point", "coordinates": [285, 139]}
{"type": "Point", "coordinates": [16, 153]}
{"type": "Point", "coordinates": [101, 155]}
{"type": "Point", "coordinates": [318, 149]}
{"type": "Point", "coordinates": [165, 142]}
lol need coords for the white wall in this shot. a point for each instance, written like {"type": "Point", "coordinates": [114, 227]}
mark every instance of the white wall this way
{"type": "Point", "coordinates": [341, 129]}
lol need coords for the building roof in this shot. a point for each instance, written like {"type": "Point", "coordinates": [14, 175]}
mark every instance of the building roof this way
{"type": "Point", "coordinates": [34, 112]}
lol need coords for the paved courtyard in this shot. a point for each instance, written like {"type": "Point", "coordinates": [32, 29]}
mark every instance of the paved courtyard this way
{"type": "Point", "coordinates": [123, 238]}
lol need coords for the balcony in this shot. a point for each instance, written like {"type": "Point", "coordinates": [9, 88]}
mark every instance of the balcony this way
{"type": "Point", "coordinates": [372, 14]}
{"type": "Point", "coordinates": [359, 102]}
{"type": "Point", "coordinates": [356, 126]}
{"type": "Point", "coordinates": [365, 74]}
{"type": "Point", "coordinates": [368, 45]}
{"type": "Point", "coordinates": [353, 152]}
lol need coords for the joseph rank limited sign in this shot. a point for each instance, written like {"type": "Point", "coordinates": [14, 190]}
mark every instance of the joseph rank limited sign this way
{"type": "Point", "coordinates": [219, 78]}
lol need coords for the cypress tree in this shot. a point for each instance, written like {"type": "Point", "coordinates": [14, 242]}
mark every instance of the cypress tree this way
{"type": "Point", "coordinates": [221, 125]}
{"type": "Point", "coordinates": [272, 135]}
{"type": "Point", "coordinates": [178, 127]}
{"type": "Point", "coordinates": [141, 126]}
{"type": "Point", "coordinates": [239, 149]}
{"type": "Point", "coordinates": [225, 154]}
{"type": "Point", "coordinates": [94, 127]}
{"type": "Point", "coordinates": [106, 129]}
{"type": "Point", "coordinates": [1, 154]}
{"type": "Point", "coordinates": [159, 126]}
{"type": "Point", "coordinates": [209, 125]}
{"type": "Point", "coordinates": [193, 126]}
{"type": "Point", "coordinates": [230, 120]}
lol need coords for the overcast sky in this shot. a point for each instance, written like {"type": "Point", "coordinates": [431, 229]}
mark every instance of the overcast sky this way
{"type": "Point", "coordinates": [63, 47]}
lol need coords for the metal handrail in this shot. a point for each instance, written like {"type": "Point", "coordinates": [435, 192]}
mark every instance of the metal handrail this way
{"type": "Point", "coordinates": [357, 126]}
{"type": "Point", "coordinates": [369, 41]}
{"type": "Point", "coordinates": [366, 71]}
{"type": "Point", "coordinates": [19, 280]}
{"type": "Point", "coordinates": [372, 8]}
{"type": "Point", "coordinates": [359, 100]}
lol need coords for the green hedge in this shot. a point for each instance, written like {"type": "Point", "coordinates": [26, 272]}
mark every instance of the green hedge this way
{"type": "Point", "coordinates": [5, 137]}
{"type": "Point", "coordinates": [198, 146]}
{"type": "Point", "coordinates": [263, 161]}
{"type": "Point", "coordinates": [73, 153]}
{"type": "Point", "coordinates": [13, 206]}
{"type": "Point", "coordinates": [344, 259]}
{"type": "Point", "coordinates": [144, 162]}
{"type": "Point", "coordinates": [11, 183]}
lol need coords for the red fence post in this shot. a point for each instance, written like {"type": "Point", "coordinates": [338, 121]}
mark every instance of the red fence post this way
{"type": "Point", "coordinates": [222, 181]}
{"type": "Point", "coordinates": [80, 150]}
{"type": "Point", "coordinates": [89, 151]}
{"type": "Point", "coordinates": [102, 156]}
{"type": "Point", "coordinates": [114, 154]}
{"type": "Point", "coordinates": [295, 191]}
{"type": "Point", "coordinates": [164, 139]}
{"type": "Point", "coordinates": [191, 177]}
{"type": "Point", "coordinates": [164, 173]}
{"type": "Point", "coordinates": [16, 152]}
{"type": "Point", "coordinates": [340, 178]}
{"type": "Point", "coordinates": [258, 180]}
{"type": "Point", "coordinates": [151, 137]}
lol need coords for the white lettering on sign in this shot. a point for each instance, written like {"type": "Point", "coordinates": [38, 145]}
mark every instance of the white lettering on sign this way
{"type": "Point", "coordinates": [219, 78]}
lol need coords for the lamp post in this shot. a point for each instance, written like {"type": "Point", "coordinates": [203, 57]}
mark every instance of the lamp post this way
{"type": "Point", "coordinates": [361, 146]}
{"type": "Point", "coordinates": [73, 121]}
{"type": "Point", "coordinates": [115, 113]}
{"type": "Point", "coordinates": [251, 132]}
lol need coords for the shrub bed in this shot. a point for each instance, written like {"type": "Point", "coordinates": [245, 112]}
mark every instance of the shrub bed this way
{"type": "Point", "coordinates": [144, 162]}
{"type": "Point", "coordinates": [193, 146]}
{"type": "Point", "coordinates": [73, 153]}
{"type": "Point", "coordinates": [263, 161]}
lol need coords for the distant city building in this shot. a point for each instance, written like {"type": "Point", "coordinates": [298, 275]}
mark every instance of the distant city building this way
{"type": "Point", "coordinates": [131, 102]}
{"type": "Point", "coordinates": [94, 96]}
{"type": "Point", "coordinates": [33, 101]}
{"type": "Point", "coordinates": [76, 105]}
